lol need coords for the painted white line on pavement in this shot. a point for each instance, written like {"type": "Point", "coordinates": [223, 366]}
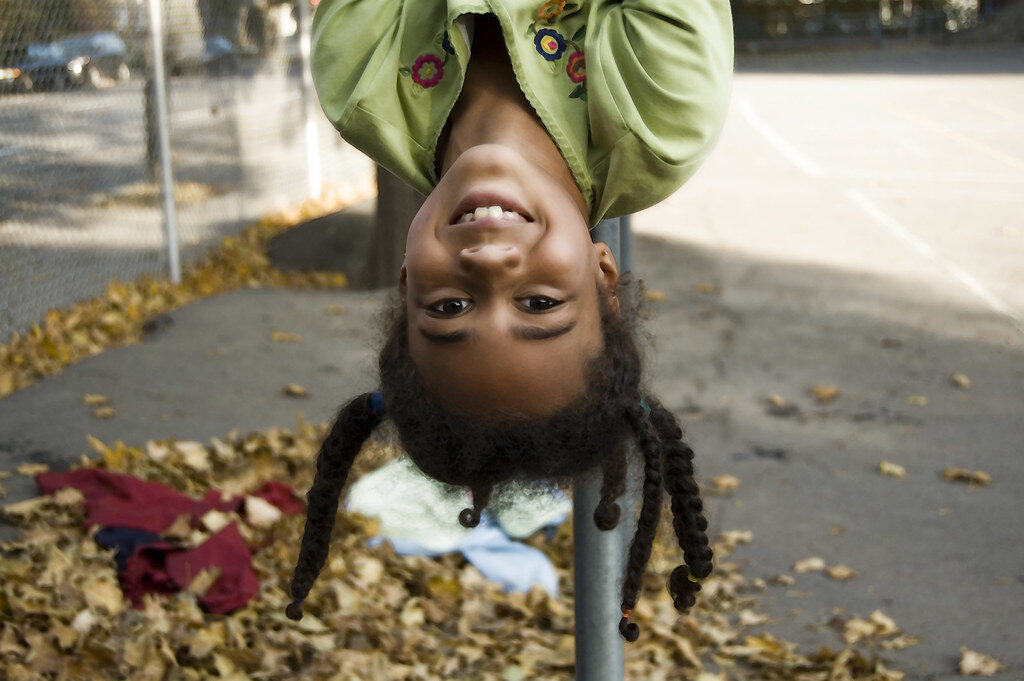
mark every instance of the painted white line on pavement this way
{"type": "Point", "coordinates": [966, 141]}
{"type": "Point", "coordinates": [794, 156]}
{"type": "Point", "coordinates": [925, 250]}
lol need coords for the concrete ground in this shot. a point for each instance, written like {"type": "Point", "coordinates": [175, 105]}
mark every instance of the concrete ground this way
{"type": "Point", "coordinates": [860, 225]}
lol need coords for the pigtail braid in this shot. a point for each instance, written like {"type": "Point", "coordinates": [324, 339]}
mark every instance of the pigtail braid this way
{"type": "Point", "coordinates": [354, 424]}
{"type": "Point", "coordinates": [470, 517]}
{"type": "Point", "coordinates": [688, 521]}
{"type": "Point", "coordinates": [647, 524]}
{"type": "Point", "coordinates": [613, 486]}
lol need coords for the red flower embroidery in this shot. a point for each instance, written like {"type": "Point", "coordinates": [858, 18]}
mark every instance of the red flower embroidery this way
{"type": "Point", "coordinates": [551, 9]}
{"type": "Point", "coordinates": [427, 70]}
{"type": "Point", "coordinates": [577, 67]}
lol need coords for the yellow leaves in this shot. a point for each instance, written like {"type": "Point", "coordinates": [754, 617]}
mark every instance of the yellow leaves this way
{"type": "Point", "coordinates": [261, 513]}
{"type": "Point", "coordinates": [816, 564]}
{"type": "Point", "coordinates": [809, 564]}
{"type": "Point", "coordinates": [294, 390]}
{"type": "Point", "coordinates": [877, 625]}
{"type": "Point", "coordinates": [840, 572]}
{"type": "Point", "coordinates": [967, 476]}
{"type": "Point", "coordinates": [825, 393]}
{"type": "Point", "coordinates": [202, 582]}
{"type": "Point", "coordinates": [117, 317]}
{"type": "Point", "coordinates": [32, 469]}
{"type": "Point", "coordinates": [285, 337]}
{"type": "Point", "coordinates": [725, 484]}
{"type": "Point", "coordinates": [655, 296]}
{"type": "Point", "coordinates": [974, 663]}
{"type": "Point", "coordinates": [104, 413]}
{"type": "Point", "coordinates": [893, 470]}
{"type": "Point", "coordinates": [960, 381]}
{"type": "Point", "coordinates": [103, 595]}
{"type": "Point", "coordinates": [95, 400]}
{"type": "Point", "coordinates": [335, 309]}
{"type": "Point", "coordinates": [917, 400]}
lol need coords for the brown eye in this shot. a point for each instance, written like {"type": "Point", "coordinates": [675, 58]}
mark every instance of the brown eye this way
{"type": "Point", "coordinates": [450, 307]}
{"type": "Point", "coordinates": [539, 303]}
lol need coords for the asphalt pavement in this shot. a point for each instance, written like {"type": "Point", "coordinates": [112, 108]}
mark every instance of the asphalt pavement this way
{"type": "Point", "coordinates": [860, 226]}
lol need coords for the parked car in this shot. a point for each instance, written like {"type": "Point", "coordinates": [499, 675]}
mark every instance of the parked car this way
{"type": "Point", "coordinates": [89, 60]}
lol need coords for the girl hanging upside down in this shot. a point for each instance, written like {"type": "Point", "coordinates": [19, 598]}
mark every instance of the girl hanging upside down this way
{"type": "Point", "coordinates": [511, 353]}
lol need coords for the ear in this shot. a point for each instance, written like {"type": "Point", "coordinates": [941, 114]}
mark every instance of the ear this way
{"type": "Point", "coordinates": [401, 282]}
{"type": "Point", "coordinates": [608, 274]}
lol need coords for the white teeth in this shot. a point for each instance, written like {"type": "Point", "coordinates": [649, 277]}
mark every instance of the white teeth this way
{"type": "Point", "coordinates": [496, 212]}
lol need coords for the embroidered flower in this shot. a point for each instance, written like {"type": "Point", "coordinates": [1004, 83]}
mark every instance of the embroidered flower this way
{"type": "Point", "coordinates": [549, 43]}
{"type": "Point", "coordinates": [577, 67]}
{"type": "Point", "coordinates": [551, 9]}
{"type": "Point", "coordinates": [427, 70]}
{"type": "Point", "coordinates": [446, 43]}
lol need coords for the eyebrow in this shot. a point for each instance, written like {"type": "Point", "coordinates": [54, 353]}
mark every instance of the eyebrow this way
{"type": "Point", "coordinates": [524, 332]}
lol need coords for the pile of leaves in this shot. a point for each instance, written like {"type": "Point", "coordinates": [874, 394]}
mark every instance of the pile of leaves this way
{"type": "Point", "coordinates": [372, 614]}
{"type": "Point", "coordinates": [118, 317]}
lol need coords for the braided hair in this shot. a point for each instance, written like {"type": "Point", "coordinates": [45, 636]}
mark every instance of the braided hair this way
{"type": "Point", "coordinates": [479, 453]}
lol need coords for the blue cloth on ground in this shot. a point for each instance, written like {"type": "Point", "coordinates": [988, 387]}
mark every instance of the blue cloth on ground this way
{"type": "Point", "coordinates": [512, 564]}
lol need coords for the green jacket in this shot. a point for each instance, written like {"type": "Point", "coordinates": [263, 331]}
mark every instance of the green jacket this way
{"type": "Point", "coordinates": [633, 92]}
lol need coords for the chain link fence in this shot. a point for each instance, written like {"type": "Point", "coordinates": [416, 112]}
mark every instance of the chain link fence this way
{"type": "Point", "coordinates": [80, 166]}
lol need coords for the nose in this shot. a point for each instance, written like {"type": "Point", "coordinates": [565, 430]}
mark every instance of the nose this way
{"type": "Point", "coordinates": [491, 257]}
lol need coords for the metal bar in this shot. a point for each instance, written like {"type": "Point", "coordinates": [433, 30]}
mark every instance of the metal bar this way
{"type": "Point", "coordinates": [599, 557]}
{"type": "Point", "coordinates": [156, 37]}
{"type": "Point", "coordinates": [309, 103]}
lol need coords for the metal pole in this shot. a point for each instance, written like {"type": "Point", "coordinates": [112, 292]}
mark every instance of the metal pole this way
{"type": "Point", "coordinates": [599, 557]}
{"type": "Point", "coordinates": [156, 37]}
{"type": "Point", "coordinates": [309, 102]}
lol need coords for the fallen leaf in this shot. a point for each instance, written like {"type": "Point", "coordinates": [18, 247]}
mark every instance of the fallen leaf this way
{"type": "Point", "coordinates": [972, 662]}
{"type": "Point", "coordinates": [812, 564]}
{"type": "Point", "coordinates": [705, 287]}
{"type": "Point", "coordinates": [103, 594]}
{"type": "Point", "coordinates": [285, 337]}
{"type": "Point", "coordinates": [193, 454]}
{"type": "Point", "coordinates": [104, 413]}
{"type": "Point", "coordinates": [836, 530]}
{"type": "Point", "coordinates": [968, 476]}
{"type": "Point", "coordinates": [335, 309]}
{"type": "Point", "coordinates": [294, 390]}
{"type": "Point", "coordinates": [917, 400]}
{"type": "Point", "coordinates": [825, 393]}
{"type": "Point", "coordinates": [95, 400]}
{"type": "Point", "coordinates": [893, 470]}
{"type": "Point", "coordinates": [215, 521]}
{"type": "Point", "coordinates": [655, 296]}
{"type": "Point", "coordinates": [782, 579]}
{"type": "Point", "coordinates": [261, 513]}
{"type": "Point", "coordinates": [840, 572]}
{"type": "Point", "coordinates": [775, 400]}
{"type": "Point", "coordinates": [32, 469]}
{"type": "Point", "coordinates": [202, 582]}
{"type": "Point", "coordinates": [723, 484]}
{"type": "Point", "coordinates": [960, 380]}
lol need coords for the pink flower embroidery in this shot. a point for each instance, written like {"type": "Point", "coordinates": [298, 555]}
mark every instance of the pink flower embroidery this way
{"type": "Point", "coordinates": [577, 67]}
{"type": "Point", "coordinates": [427, 70]}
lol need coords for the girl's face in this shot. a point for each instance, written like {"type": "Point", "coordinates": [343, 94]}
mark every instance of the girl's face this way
{"type": "Point", "coordinates": [503, 310]}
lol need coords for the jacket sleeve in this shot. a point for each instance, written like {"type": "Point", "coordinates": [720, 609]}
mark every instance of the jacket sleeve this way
{"type": "Point", "coordinates": [664, 68]}
{"type": "Point", "coordinates": [351, 41]}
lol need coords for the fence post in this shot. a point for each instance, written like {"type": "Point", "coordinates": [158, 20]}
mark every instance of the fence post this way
{"type": "Point", "coordinates": [309, 106]}
{"type": "Point", "coordinates": [599, 557]}
{"type": "Point", "coordinates": [156, 37]}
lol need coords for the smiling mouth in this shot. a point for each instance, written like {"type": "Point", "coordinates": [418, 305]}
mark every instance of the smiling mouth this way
{"type": "Point", "coordinates": [483, 205]}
